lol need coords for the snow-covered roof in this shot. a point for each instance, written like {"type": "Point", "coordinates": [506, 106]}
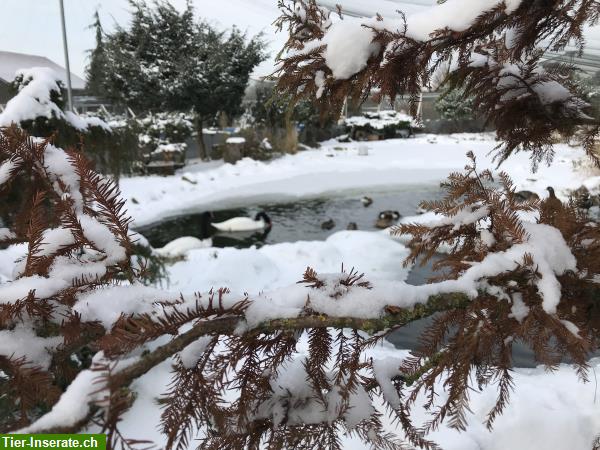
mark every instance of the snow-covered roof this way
{"type": "Point", "coordinates": [11, 62]}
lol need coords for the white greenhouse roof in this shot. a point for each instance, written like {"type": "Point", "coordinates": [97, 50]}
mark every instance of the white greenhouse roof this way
{"type": "Point", "coordinates": [10, 62]}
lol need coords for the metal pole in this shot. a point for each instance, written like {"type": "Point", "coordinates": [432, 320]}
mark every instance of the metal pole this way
{"type": "Point", "coordinates": [66, 48]}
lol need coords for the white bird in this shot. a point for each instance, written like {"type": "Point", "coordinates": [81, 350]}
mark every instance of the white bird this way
{"type": "Point", "coordinates": [182, 245]}
{"type": "Point", "coordinates": [260, 222]}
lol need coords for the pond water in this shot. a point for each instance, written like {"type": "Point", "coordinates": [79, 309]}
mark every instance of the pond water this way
{"type": "Point", "coordinates": [297, 221]}
{"type": "Point", "coordinates": [301, 220]}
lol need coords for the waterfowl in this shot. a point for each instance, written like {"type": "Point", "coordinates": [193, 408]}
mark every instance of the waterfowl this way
{"type": "Point", "coordinates": [387, 218]}
{"type": "Point", "coordinates": [551, 209]}
{"type": "Point", "coordinates": [352, 226]}
{"type": "Point", "coordinates": [366, 201]}
{"type": "Point", "coordinates": [260, 222]}
{"type": "Point", "coordinates": [182, 245]}
{"type": "Point", "coordinates": [582, 198]}
{"type": "Point", "coordinates": [524, 196]}
{"type": "Point", "coordinates": [328, 224]}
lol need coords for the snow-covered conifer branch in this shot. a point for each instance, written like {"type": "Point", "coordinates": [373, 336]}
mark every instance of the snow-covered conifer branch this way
{"type": "Point", "coordinates": [496, 46]}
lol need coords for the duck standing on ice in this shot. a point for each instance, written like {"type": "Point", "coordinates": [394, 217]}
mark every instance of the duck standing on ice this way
{"type": "Point", "coordinates": [260, 222]}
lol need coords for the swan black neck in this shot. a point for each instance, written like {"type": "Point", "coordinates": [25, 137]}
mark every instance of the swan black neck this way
{"type": "Point", "coordinates": [205, 220]}
{"type": "Point", "coordinates": [263, 215]}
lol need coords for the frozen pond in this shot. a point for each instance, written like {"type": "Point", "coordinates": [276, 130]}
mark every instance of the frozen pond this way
{"type": "Point", "coordinates": [301, 221]}
{"type": "Point", "coordinates": [297, 221]}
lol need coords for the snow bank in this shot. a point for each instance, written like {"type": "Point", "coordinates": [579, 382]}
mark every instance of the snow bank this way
{"type": "Point", "coordinates": [254, 270]}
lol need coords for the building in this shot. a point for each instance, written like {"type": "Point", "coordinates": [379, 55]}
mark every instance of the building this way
{"type": "Point", "coordinates": [11, 62]}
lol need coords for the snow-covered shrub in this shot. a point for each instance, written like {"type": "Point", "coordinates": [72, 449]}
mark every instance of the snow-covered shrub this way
{"type": "Point", "coordinates": [165, 128]}
{"type": "Point", "coordinates": [38, 106]}
{"type": "Point", "coordinates": [76, 238]}
{"type": "Point", "coordinates": [163, 137]}
{"type": "Point", "coordinates": [381, 124]}
{"type": "Point", "coordinates": [167, 60]}
{"type": "Point", "coordinates": [452, 106]}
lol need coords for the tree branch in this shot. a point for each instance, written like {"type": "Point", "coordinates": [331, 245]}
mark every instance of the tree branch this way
{"type": "Point", "coordinates": [228, 325]}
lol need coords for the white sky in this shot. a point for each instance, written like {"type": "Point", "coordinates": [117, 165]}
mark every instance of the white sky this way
{"type": "Point", "coordinates": [33, 26]}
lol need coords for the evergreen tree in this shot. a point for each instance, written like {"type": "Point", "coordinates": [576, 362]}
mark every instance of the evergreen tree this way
{"type": "Point", "coordinates": [455, 107]}
{"type": "Point", "coordinates": [166, 61]}
{"type": "Point", "coordinates": [96, 72]}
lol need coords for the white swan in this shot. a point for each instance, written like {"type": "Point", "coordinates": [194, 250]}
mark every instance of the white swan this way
{"type": "Point", "coordinates": [182, 245]}
{"type": "Point", "coordinates": [260, 222]}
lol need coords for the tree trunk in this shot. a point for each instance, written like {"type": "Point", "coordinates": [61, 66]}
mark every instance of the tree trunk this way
{"type": "Point", "coordinates": [202, 152]}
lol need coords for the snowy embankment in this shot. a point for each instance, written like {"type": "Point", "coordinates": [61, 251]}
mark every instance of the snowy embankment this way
{"type": "Point", "coordinates": [335, 167]}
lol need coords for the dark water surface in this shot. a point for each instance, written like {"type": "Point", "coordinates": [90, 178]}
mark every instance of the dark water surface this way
{"type": "Point", "coordinates": [301, 220]}
{"type": "Point", "coordinates": [297, 221]}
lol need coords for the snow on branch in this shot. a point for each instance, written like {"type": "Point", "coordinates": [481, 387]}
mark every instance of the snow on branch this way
{"type": "Point", "coordinates": [39, 95]}
{"type": "Point", "coordinates": [331, 60]}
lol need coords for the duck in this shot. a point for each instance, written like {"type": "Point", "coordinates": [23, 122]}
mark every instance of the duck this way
{"type": "Point", "coordinates": [421, 210]}
{"type": "Point", "coordinates": [352, 226]}
{"type": "Point", "coordinates": [387, 218]}
{"type": "Point", "coordinates": [366, 201]}
{"type": "Point", "coordinates": [260, 222]}
{"type": "Point", "coordinates": [582, 198]}
{"type": "Point", "coordinates": [551, 208]}
{"type": "Point", "coordinates": [328, 224]}
{"type": "Point", "coordinates": [525, 196]}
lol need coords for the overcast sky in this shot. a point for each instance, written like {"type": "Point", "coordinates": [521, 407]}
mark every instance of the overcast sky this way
{"type": "Point", "coordinates": [33, 26]}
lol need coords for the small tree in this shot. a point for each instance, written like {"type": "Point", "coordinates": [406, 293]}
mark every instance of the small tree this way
{"type": "Point", "coordinates": [97, 69]}
{"type": "Point", "coordinates": [454, 107]}
{"type": "Point", "coordinates": [166, 61]}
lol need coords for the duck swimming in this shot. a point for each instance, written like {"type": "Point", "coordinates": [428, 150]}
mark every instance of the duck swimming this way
{"type": "Point", "coordinates": [387, 219]}
{"type": "Point", "coordinates": [328, 225]}
{"type": "Point", "coordinates": [366, 201]}
{"type": "Point", "coordinates": [260, 222]}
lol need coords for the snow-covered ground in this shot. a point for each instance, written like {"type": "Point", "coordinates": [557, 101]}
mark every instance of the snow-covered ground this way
{"type": "Point", "coordinates": [335, 167]}
{"type": "Point", "coordinates": [547, 411]}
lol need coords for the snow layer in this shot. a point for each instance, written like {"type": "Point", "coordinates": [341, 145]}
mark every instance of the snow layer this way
{"type": "Point", "coordinates": [34, 100]}
{"type": "Point", "coordinates": [349, 46]}
{"type": "Point", "coordinates": [270, 267]}
{"type": "Point", "coordinates": [22, 342]}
